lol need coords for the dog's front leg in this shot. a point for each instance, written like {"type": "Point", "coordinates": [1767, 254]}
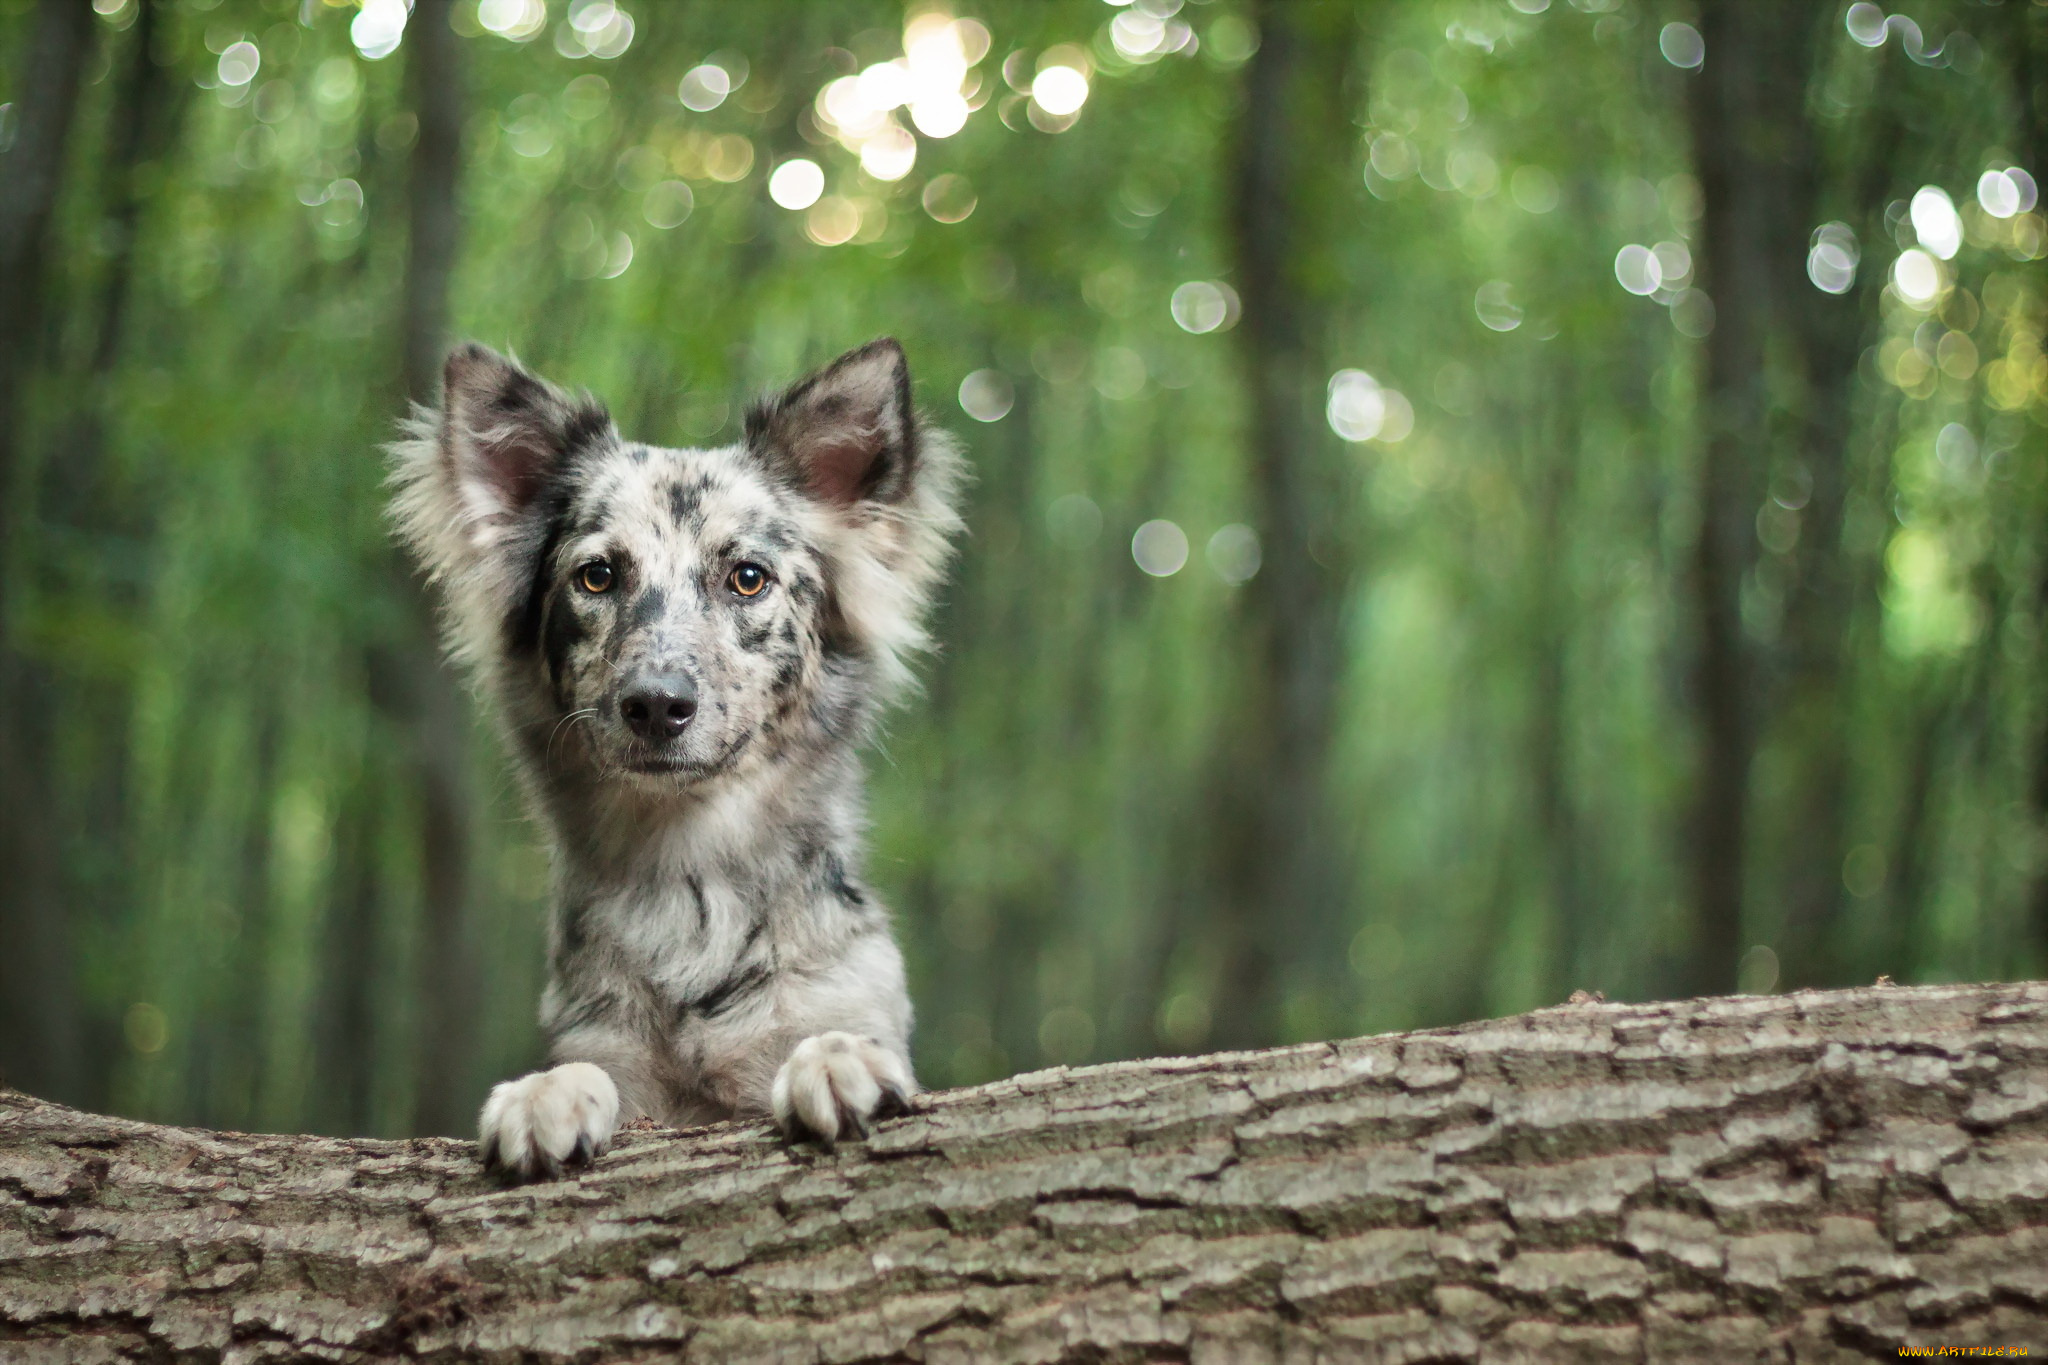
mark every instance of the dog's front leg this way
{"type": "Point", "coordinates": [540, 1123]}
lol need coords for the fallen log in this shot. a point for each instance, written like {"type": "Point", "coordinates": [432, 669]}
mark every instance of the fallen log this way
{"type": "Point", "coordinates": [1814, 1176]}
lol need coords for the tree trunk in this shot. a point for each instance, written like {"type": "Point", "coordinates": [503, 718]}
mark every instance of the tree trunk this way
{"type": "Point", "coordinates": [1753, 158]}
{"type": "Point", "coordinates": [1550, 455]}
{"type": "Point", "coordinates": [2029, 46]}
{"type": "Point", "coordinates": [39, 1025]}
{"type": "Point", "coordinates": [408, 678]}
{"type": "Point", "coordinates": [94, 531]}
{"type": "Point", "coordinates": [1809, 1177]}
{"type": "Point", "coordinates": [1824, 343]}
{"type": "Point", "coordinates": [434, 89]}
{"type": "Point", "coordinates": [32, 172]}
{"type": "Point", "coordinates": [1267, 825]}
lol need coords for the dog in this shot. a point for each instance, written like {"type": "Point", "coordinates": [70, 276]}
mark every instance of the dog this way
{"type": "Point", "coordinates": [684, 650]}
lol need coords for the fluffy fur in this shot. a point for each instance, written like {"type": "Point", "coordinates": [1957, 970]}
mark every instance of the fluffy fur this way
{"type": "Point", "coordinates": [713, 950]}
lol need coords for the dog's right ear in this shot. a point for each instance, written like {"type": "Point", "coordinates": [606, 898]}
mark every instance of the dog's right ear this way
{"type": "Point", "coordinates": [505, 431]}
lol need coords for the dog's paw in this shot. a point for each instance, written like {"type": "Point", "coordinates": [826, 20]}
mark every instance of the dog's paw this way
{"type": "Point", "coordinates": [834, 1083]}
{"type": "Point", "coordinates": [536, 1125]}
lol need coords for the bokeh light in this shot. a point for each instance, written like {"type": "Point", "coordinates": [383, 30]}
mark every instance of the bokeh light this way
{"type": "Point", "coordinates": [618, 256]}
{"type": "Point", "coordinates": [890, 154]}
{"type": "Point", "coordinates": [2006, 193]}
{"type": "Point", "coordinates": [1494, 304]}
{"type": "Point", "coordinates": [1160, 548]}
{"type": "Point", "coordinates": [1074, 520]}
{"type": "Point", "coordinates": [1917, 277]}
{"type": "Point", "coordinates": [1692, 313]}
{"type": "Point", "coordinates": [1392, 156]}
{"type": "Point", "coordinates": [939, 115]}
{"type": "Point", "coordinates": [1870, 26]}
{"type": "Point", "coordinates": [1533, 189]}
{"type": "Point", "coordinates": [1955, 446]}
{"type": "Point", "coordinates": [1234, 553]}
{"type": "Point", "coordinates": [832, 221]}
{"type": "Point", "coordinates": [1060, 90]}
{"type": "Point", "coordinates": [1832, 258]}
{"type": "Point", "coordinates": [519, 20]}
{"type": "Point", "coordinates": [1682, 45]}
{"type": "Point", "coordinates": [703, 88]}
{"type": "Point", "coordinates": [1148, 30]}
{"type": "Point", "coordinates": [668, 204]}
{"type": "Point", "coordinates": [146, 1027]}
{"type": "Point", "coordinates": [1473, 173]}
{"type": "Point", "coordinates": [931, 83]}
{"type": "Point", "coordinates": [1635, 266]}
{"type": "Point", "coordinates": [797, 183]}
{"type": "Point", "coordinates": [1674, 264]}
{"type": "Point", "coordinates": [949, 198]}
{"type": "Point", "coordinates": [728, 158]}
{"type": "Point", "coordinates": [1141, 34]}
{"type": "Point", "coordinates": [1935, 221]}
{"type": "Point", "coordinates": [241, 61]}
{"type": "Point", "coordinates": [987, 395]}
{"type": "Point", "coordinates": [1865, 23]}
{"type": "Point", "coordinates": [1356, 407]}
{"type": "Point", "coordinates": [595, 28]}
{"type": "Point", "coordinates": [377, 29]}
{"type": "Point", "coordinates": [1204, 306]}
{"type": "Point", "coordinates": [1360, 408]}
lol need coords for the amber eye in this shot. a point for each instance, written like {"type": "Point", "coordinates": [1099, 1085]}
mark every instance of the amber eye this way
{"type": "Point", "coordinates": [748, 579]}
{"type": "Point", "coordinates": [596, 576]}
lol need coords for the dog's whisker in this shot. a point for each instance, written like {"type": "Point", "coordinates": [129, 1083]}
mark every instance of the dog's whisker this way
{"type": "Point", "coordinates": [570, 718]}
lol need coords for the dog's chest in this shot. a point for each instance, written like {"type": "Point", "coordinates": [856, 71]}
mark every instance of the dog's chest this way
{"type": "Point", "coordinates": [688, 933]}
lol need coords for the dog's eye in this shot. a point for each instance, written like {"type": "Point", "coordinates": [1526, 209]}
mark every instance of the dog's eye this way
{"type": "Point", "coordinates": [596, 576]}
{"type": "Point", "coordinates": [748, 579]}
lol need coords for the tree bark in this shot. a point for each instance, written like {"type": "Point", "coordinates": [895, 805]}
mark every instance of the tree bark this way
{"type": "Point", "coordinates": [1806, 1177]}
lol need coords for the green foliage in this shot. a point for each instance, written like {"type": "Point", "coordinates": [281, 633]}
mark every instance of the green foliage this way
{"type": "Point", "coordinates": [1514, 764]}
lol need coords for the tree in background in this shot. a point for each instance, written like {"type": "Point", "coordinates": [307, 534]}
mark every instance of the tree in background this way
{"type": "Point", "coordinates": [39, 1039]}
{"type": "Point", "coordinates": [1474, 502]}
{"type": "Point", "coordinates": [1273, 877]}
{"type": "Point", "coordinates": [1756, 172]}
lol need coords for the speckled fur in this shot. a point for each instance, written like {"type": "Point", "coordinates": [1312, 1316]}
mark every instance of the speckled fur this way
{"type": "Point", "coordinates": [705, 920]}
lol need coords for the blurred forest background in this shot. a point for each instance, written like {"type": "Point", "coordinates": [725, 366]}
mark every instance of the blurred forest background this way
{"type": "Point", "coordinates": [1477, 499]}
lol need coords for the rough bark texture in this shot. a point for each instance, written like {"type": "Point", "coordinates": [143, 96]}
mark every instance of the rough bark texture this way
{"type": "Point", "coordinates": [1811, 1177]}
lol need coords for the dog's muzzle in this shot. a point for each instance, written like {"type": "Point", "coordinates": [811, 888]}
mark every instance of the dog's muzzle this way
{"type": "Point", "coordinates": [658, 709]}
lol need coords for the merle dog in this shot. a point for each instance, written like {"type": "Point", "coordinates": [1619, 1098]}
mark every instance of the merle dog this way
{"type": "Point", "coordinates": [684, 650]}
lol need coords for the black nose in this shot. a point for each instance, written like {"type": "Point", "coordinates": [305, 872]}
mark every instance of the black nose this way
{"type": "Point", "coordinates": [659, 709]}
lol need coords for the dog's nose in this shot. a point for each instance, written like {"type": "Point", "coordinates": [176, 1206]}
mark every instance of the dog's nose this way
{"type": "Point", "coordinates": [659, 708]}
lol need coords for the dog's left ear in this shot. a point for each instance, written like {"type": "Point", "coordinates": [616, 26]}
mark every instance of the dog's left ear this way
{"type": "Point", "coordinates": [846, 434]}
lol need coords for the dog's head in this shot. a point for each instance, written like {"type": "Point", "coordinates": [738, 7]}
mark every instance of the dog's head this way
{"type": "Point", "coordinates": [661, 617]}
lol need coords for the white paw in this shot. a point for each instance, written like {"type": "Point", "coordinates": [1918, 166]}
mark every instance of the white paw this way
{"type": "Point", "coordinates": [834, 1083]}
{"type": "Point", "coordinates": [538, 1124]}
